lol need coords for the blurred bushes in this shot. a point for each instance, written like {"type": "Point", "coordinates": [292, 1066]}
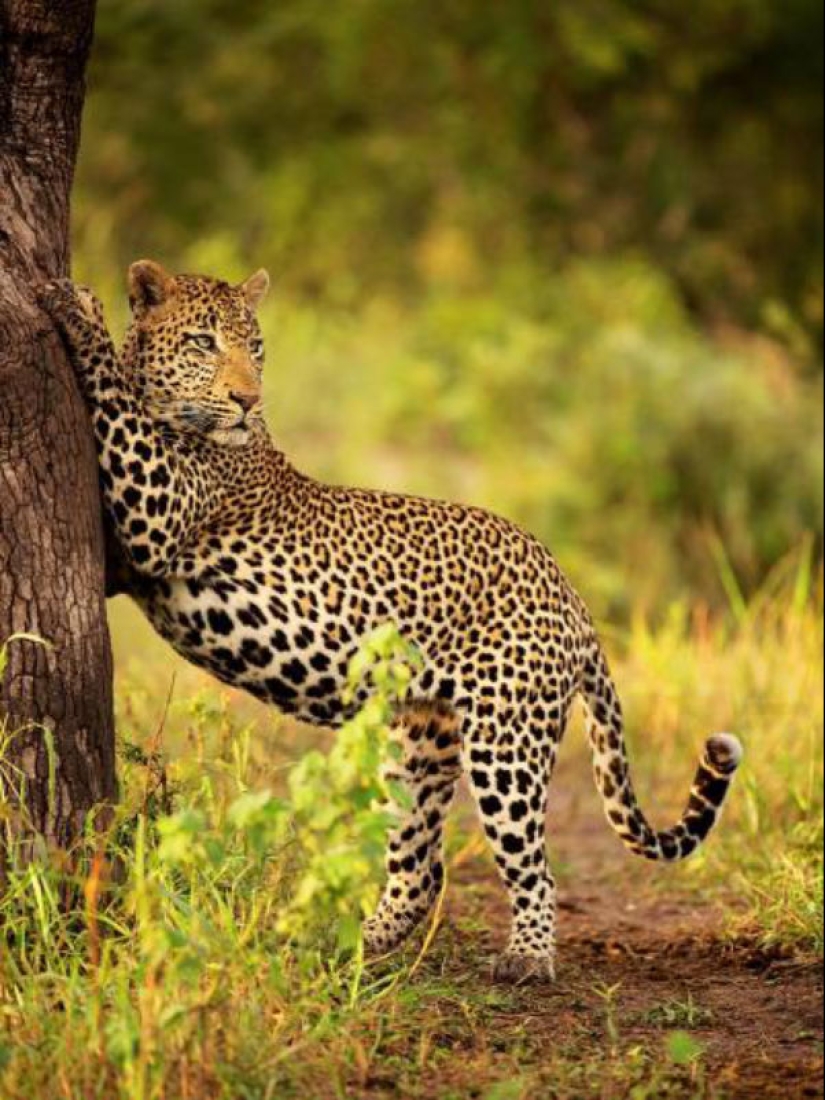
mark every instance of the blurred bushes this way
{"type": "Point", "coordinates": [560, 259]}
{"type": "Point", "coordinates": [341, 141]}
{"type": "Point", "coordinates": [586, 407]}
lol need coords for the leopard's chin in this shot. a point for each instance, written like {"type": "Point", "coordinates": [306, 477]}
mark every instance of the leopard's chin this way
{"type": "Point", "coordinates": [230, 437]}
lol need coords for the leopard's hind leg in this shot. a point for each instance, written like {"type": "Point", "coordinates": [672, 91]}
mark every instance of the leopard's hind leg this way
{"type": "Point", "coordinates": [509, 778]}
{"type": "Point", "coordinates": [428, 769]}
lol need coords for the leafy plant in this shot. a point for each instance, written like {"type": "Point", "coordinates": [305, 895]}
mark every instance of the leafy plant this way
{"type": "Point", "coordinates": [686, 1015]}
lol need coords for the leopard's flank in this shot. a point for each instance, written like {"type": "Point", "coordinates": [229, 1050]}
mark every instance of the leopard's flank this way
{"type": "Point", "coordinates": [272, 580]}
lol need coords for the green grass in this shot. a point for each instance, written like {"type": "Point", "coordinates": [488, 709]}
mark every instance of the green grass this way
{"type": "Point", "coordinates": [686, 1014]}
{"type": "Point", "coordinates": [759, 674]}
{"type": "Point", "coordinates": [213, 950]}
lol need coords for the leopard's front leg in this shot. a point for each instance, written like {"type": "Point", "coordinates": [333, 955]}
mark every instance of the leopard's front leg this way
{"type": "Point", "coordinates": [153, 507]}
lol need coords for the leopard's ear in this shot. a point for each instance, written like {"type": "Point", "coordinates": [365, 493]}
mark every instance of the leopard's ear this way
{"type": "Point", "coordinates": [256, 288]}
{"type": "Point", "coordinates": [150, 285]}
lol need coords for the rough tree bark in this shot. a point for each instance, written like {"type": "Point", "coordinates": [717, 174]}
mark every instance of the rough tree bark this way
{"type": "Point", "coordinates": [51, 539]}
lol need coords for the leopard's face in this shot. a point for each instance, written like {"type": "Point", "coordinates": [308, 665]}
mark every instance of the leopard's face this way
{"type": "Point", "coordinates": [196, 353]}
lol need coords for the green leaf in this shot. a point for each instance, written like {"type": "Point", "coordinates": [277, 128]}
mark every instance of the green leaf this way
{"type": "Point", "coordinates": [517, 1089]}
{"type": "Point", "coordinates": [683, 1049]}
{"type": "Point", "coordinates": [249, 808]}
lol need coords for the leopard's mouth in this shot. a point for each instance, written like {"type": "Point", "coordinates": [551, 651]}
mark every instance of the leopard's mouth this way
{"type": "Point", "coordinates": [235, 436]}
{"type": "Point", "coordinates": [225, 431]}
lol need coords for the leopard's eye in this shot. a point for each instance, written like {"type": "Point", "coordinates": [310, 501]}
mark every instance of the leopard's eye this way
{"type": "Point", "coordinates": [256, 348]}
{"type": "Point", "coordinates": [203, 341]}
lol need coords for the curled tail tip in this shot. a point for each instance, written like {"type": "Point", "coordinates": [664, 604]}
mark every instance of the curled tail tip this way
{"type": "Point", "coordinates": [725, 753]}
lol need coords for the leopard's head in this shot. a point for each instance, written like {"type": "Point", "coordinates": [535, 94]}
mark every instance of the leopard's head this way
{"type": "Point", "coordinates": [195, 352]}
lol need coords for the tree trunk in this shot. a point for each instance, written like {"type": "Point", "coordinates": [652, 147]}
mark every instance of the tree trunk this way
{"type": "Point", "coordinates": [51, 538]}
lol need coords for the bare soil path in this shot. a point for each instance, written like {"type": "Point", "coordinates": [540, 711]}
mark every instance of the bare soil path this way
{"type": "Point", "coordinates": [637, 962]}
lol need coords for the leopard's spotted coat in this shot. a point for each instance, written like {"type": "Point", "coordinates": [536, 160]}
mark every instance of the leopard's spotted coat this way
{"type": "Point", "coordinates": [271, 581]}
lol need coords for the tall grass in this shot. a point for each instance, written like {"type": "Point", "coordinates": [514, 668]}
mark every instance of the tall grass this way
{"type": "Point", "coordinates": [153, 960]}
{"type": "Point", "coordinates": [757, 672]}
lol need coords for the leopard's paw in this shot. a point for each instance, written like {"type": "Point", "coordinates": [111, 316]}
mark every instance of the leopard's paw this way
{"type": "Point", "coordinates": [390, 929]}
{"type": "Point", "coordinates": [71, 307]}
{"type": "Point", "coordinates": [382, 937]}
{"type": "Point", "coordinates": [516, 969]}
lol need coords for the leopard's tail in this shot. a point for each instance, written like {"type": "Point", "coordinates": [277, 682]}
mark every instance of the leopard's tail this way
{"type": "Point", "coordinates": [722, 756]}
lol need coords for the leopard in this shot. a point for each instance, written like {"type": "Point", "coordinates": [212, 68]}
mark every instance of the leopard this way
{"type": "Point", "coordinates": [272, 580]}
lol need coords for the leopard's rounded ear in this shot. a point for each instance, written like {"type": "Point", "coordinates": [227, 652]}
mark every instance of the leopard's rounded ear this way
{"type": "Point", "coordinates": [150, 285]}
{"type": "Point", "coordinates": [256, 288]}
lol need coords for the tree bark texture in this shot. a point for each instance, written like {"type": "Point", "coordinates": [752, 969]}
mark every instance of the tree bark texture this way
{"type": "Point", "coordinates": [51, 538]}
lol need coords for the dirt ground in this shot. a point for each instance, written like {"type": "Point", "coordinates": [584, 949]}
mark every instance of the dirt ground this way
{"type": "Point", "coordinates": [636, 962]}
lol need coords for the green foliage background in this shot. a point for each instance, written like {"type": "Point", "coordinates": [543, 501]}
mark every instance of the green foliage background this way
{"type": "Point", "coordinates": [563, 259]}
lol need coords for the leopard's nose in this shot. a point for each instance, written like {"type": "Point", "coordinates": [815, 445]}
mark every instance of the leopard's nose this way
{"type": "Point", "coordinates": [247, 401]}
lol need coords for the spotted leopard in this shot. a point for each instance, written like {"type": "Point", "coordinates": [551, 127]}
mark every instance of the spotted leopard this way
{"type": "Point", "coordinates": [272, 580]}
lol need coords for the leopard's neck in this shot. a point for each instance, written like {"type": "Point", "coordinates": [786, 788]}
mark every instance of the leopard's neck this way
{"type": "Point", "coordinates": [248, 479]}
